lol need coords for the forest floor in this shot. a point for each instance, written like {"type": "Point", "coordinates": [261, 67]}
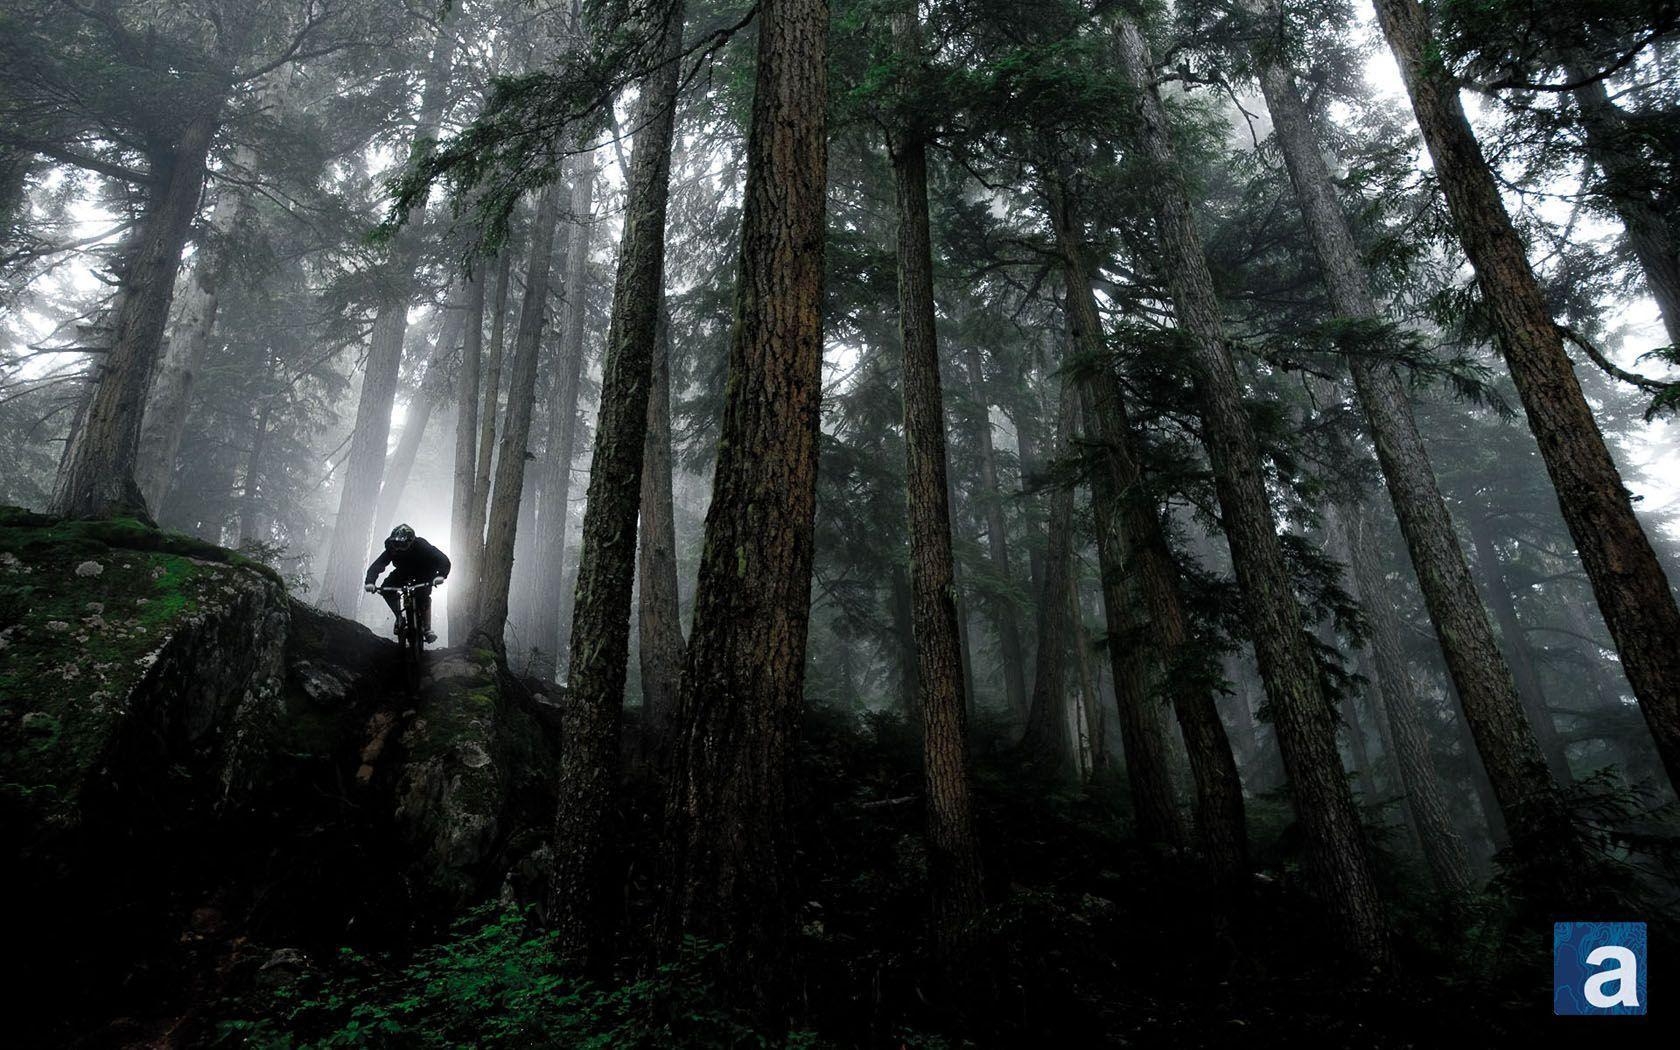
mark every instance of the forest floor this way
{"type": "Point", "coordinates": [1092, 940]}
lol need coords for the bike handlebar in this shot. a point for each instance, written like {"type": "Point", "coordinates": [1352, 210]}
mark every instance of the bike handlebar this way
{"type": "Point", "coordinates": [403, 588]}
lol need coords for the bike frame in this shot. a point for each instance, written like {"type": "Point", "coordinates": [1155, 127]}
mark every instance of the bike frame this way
{"type": "Point", "coordinates": [411, 638]}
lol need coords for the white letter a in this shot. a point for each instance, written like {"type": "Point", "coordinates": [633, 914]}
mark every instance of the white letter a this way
{"type": "Point", "coordinates": [1625, 974]}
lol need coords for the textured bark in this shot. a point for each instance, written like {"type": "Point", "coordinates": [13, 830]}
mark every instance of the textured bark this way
{"type": "Point", "coordinates": [507, 497]}
{"type": "Point", "coordinates": [1011, 653]}
{"type": "Point", "coordinates": [727, 823]}
{"type": "Point", "coordinates": [489, 411]}
{"type": "Point", "coordinates": [600, 644]}
{"type": "Point", "coordinates": [1443, 848]}
{"type": "Point", "coordinates": [1148, 628]}
{"type": "Point", "coordinates": [1628, 184]}
{"type": "Point", "coordinates": [1487, 692]}
{"type": "Point", "coordinates": [1338, 866]}
{"type": "Point", "coordinates": [347, 555]}
{"type": "Point", "coordinates": [98, 473]}
{"type": "Point", "coordinates": [1046, 734]}
{"type": "Point", "coordinates": [953, 856]}
{"type": "Point", "coordinates": [1093, 752]}
{"type": "Point", "coordinates": [1515, 643]}
{"type": "Point", "coordinates": [560, 449]}
{"type": "Point", "coordinates": [466, 545]}
{"type": "Point", "coordinates": [1633, 592]}
{"type": "Point", "coordinates": [433, 387]}
{"type": "Point", "coordinates": [658, 616]}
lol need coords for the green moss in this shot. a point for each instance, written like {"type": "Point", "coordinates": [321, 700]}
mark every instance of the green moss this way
{"type": "Point", "coordinates": [84, 607]}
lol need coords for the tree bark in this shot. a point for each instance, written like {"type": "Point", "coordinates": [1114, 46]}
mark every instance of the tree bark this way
{"type": "Point", "coordinates": [1487, 692]}
{"type": "Point", "coordinates": [1443, 848]}
{"type": "Point", "coordinates": [1627, 579]}
{"type": "Point", "coordinates": [365, 465]}
{"type": "Point", "coordinates": [1139, 568]}
{"type": "Point", "coordinates": [658, 615]}
{"type": "Point", "coordinates": [170, 399]}
{"type": "Point", "coordinates": [561, 447]}
{"type": "Point", "coordinates": [1517, 651]}
{"type": "Point", "coordinates": [502, 526]}
{"type": "Point", "coordinates": [1010, 650]}
{"type": "Point", "coordinates": [1046, 735]}
{"type": "Point", "coordinates": [466, 546]}
{"type": "Point", "coordinates": [98, 474]}
{"type": "Point", "coordinates": [1338, 866]}
{"type": "Point", "coordinates": [953, 856]}
{"type": "Point", "coordinates": [488, 414]}
{"type": "Point", "coordinates": [727, 835]}
{"type": "Point", "coordinates": [600, 644]}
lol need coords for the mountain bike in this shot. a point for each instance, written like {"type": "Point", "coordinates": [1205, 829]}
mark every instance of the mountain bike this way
{"type": "Point", "coordinates": [411, 634]}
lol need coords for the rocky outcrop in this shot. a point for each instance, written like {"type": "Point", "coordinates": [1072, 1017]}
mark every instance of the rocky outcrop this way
{"type": "Point", "coordinates": [192, 764]}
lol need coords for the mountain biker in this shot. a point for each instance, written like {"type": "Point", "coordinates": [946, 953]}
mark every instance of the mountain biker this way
{"type": "Point", "coordinates": [412, 560]}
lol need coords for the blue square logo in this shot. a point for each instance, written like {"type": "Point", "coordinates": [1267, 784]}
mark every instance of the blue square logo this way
{"type": "Point", "coordinates": [1598, 968]}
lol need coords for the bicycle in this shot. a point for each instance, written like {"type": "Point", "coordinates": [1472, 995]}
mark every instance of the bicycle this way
{"type": "Point", "coordinates": [410, 636]}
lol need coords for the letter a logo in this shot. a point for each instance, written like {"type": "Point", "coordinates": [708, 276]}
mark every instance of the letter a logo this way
{"type": "Point", "coordinates": [1598, 968]}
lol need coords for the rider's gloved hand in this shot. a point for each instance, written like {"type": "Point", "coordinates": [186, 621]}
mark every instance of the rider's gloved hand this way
{"type": "Point", "coordinates": [437, 581]}
{"type": "Point", "coordinates": [370, 587]}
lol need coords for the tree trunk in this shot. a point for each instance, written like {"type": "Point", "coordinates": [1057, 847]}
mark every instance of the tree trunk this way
{"type": "Point", "coordinates": [1443, 848]}
{"type": "Point", "coordinates": [170, 398]}
{"type": "Point", "coordinates": [561, 447]}
{"type": "Point", "coordinates": [466, 545]}
{"type": "Point", "coordinates": [1527, 676]}
{"type": "Point", "coordinates": [1492, 705]}
{"type": "Point", "coordinates": [250, 527]}
{"type": "Point", "coordinates": [1628, 183]}
{"type": "Point", "coordinates": [98, 474]}
{"type": "Point", "coordinates": [501, 529]}
{"type": "Point", "coordinates": [730, 853]}
{"type": "Point", "coordinates": [658, 615]}
{"type": "Point", "coordinates": [488, 413]}
{"type": "Point", "coordinates": [1139, 564]}
{"type": "Point", "coordinates": [600, 645]}
{"type": "Point", "coordinates": [953, 856]}
{"type": "Point", "coordinates": [1046, 737]}
{"type": "Point", "coordinates": [1010, 651]}
{"type": "Point", "coordinates": [1337, 863]}
{"type": "Point", "coordinates": [1632, 591]}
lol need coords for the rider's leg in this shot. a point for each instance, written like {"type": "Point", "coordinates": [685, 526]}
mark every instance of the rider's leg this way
{"type": "Point", "coordinates": [395, 602]}
{"type": "Point", "coordinates": [423, 605]}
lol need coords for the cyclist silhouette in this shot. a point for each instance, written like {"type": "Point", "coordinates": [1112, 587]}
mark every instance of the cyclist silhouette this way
{"type": "Point", "coordinates": [412, 560]}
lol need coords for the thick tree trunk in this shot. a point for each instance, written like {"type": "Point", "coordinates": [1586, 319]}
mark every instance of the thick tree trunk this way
{"type": "Point", "coordinates": [600, 644]}
{"type": "Point", "coordinates": [1046, 735]}
{"type": "Point", "coordinates": [1443, 848]}
{"type": "Point", "coordinates": [170, 398]}
{"type": "Point", "coordinates": [1628, 182]}
{"type": "Point", "coordinates": [560, 449]}
{"type": "Point", "coordinates": [1517, 651]}
{"type": "Point", "coordinates": [502, 526]}
{"type": "Point", "coordinates": [347, 555]}
{"type": "Point", "coordinates": [953, 856]}
{"type": "Point", "coordinates": [727, 823]}
{"type": "Point", "coordinates": [1148, 628]}
{"type": "Point", "coordinates": [658, 616]}
{"type": "Point", "coordinates": [1487, 692]}
{"type": "Point", "coordinates": [466, 546]}
{"type": "Point", "coordinates": [98, 474]}
{"type": "Point", "coordinates": [1010, 651]}
{"type": "Point", "coordinates": [489, 412]}
{"type": "Point", "coordinates": [1633, 592]}
{"type": "Point", "coordinates": [1337, 862]}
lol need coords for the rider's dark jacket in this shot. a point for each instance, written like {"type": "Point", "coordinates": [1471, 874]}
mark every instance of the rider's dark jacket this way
{"type": "Point", "coordinates": [421, 561]}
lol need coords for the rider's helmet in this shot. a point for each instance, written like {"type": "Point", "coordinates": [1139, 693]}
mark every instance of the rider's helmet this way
{"type": "Point", "coordinates": [402, 538]}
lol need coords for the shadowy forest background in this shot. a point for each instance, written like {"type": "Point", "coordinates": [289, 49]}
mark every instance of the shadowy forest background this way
{"type": "Point", "coordinates": [1093, 520]}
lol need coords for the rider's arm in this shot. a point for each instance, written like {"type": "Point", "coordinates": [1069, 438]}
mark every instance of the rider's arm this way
{"type": "Point", "coordinates": [440, 566]}
{"type": "Point", "coordinates": [379, 565]}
